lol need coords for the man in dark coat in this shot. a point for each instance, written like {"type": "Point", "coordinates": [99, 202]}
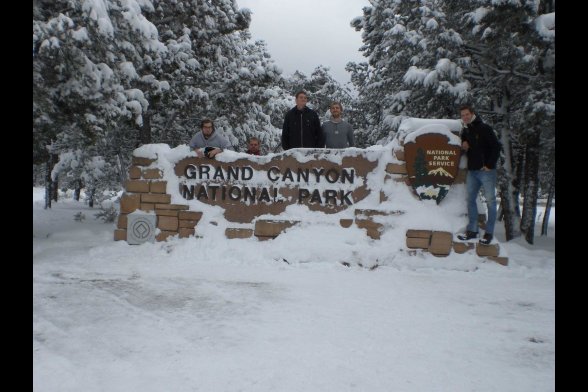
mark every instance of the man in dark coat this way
{"type": "Point", "coordinates": [302, 126]}
{"type": "Point", "coordinates": [482, 149]}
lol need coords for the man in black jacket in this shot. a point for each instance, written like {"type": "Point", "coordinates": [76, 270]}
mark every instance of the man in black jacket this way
{"type": "Point", "coordinates": [302, 126]}
{"type": "Point", "coordinates": [482, 149]}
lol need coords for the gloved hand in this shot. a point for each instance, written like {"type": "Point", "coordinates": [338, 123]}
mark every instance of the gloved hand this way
{"type": "Point", "coordinates": [207, 150]}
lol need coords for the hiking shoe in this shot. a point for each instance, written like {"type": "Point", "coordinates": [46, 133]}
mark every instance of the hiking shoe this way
{"type": "Point", "coordinates": [468, 235]}
{"type": "Point", "coordinates": [487, 239]}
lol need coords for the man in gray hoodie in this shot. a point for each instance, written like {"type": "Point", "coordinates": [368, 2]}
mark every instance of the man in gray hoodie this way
{"type": "Point", "coordinates": [337, 132]}
{"type": "Point", "coordinates": [208, 142]}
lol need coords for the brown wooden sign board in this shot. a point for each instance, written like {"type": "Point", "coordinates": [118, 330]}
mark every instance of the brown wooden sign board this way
{"type": "Point", "coordinates": [432, 165]}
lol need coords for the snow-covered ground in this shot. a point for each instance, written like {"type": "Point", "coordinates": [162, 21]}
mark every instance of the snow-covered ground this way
{"type": "Point", "coordinates": [210, 314]}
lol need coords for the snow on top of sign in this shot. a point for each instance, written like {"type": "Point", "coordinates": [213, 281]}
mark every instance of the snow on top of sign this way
{"type": "Point", "coordinates": [178, 153]}
{"type": "Point", "coordinates": [445, 126]}
{"type": "Point", "coordinates": [174, 155]}
{"type": "Point", "coordinates": [151, 151]}
{"type": "Point", "coordinates": [303, 155]}
{"type": "Point", "coordinates": [412, 124]}
{"type": "Point", "coordinates": [433, 128]}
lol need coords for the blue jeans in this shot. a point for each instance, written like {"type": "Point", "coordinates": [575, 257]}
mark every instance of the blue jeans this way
{"type": "Point", "coordinates": [477, 179]}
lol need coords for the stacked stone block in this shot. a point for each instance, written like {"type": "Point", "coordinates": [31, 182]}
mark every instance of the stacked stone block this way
{"type": "Point", "coordinates": [397, 171]}
{"type": "Point", "coordinates": [364, 219]}
{"type": "Point", "coordinates": [440, 243]}
{"type": "Point", "coordinates": [266, 229]}
{"type": "Point", "coordinates": [146, 191]}
{"type": "Point", "coordinates": [418, 239]}
{"type": "Point", "coordinates": [231, 232]}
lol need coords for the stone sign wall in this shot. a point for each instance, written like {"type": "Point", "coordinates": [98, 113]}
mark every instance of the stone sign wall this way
{"type": "Point", "coordinates": [329, 181]}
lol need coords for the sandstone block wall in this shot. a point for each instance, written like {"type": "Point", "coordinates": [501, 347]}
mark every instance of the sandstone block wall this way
{"type": "Point", "coordinates": [440, 243]}
{"type": "Point", "coordinates": [145, 190]}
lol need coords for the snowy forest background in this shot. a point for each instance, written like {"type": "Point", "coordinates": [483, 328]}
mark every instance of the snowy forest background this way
{"type": "Point", "coordinates": [112, 75]}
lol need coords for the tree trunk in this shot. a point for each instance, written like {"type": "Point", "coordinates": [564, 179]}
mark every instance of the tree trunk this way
{"type": "Point", "coordinates": [145, 129]}
{"type": "Point", "coordinates": [531, 187]}
{"type": "Point", "coordinates": [518, 180]}
{"type": "Point", "coordinates": [77, 190]}
{"type": "Point", "coordinates": [91, 198]}
{"type": "Point", "coordinates": [506, 189]}
{"type": "Point", "coordinates": [48, 183]}
{"type": "Point", "coordinates": [55, 188]}
{"type": "Point", "coordinates": [168, 124]}
{"type": "Point", "coordinates": [500, 212]}
{"type": "Point", "coordinates": [54, 182]}
{"type": "Point", "coordinates": [546, 6]}
{"type": "Point", "coordinates": [121, 168]}
{"type": "Point", "coordinates": [508, 212]}
{"type": "Point", "coordinates": [550, 197]}
{"type": "Point", "coordinates": [51, 187]}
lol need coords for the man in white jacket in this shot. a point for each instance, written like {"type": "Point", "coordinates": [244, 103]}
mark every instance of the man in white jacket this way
{"type": "Point", "coordinates": [208, 142]}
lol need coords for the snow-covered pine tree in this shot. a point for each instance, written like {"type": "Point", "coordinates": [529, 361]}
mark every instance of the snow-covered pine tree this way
{"type": "Point", "coordinates": [510, 67]}
{"type": "Point", "coordinates": [183, 27]}
{"type": "Point", "coordinates": [250, 101]}
{"type": "Point", "coordinates": [104, 83]}
{"type": "Point", "coordinates": [412, 68]}
{"type": "Point", "coordinates": [545, 25]}
{"type": "Point", "coordinates": [88, 60]}
{"type": "Point", "coordinates": [539, 111]}
{"type": "Point", "coordinates": [215, 72]}
{"type": "Point", "coordinates": [361, 107]}
{"type": "Point", "coordinates": [322, 89]}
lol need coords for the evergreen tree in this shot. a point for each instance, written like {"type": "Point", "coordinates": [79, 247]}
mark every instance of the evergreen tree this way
{"type": "Point", "coordinates": [322, 89]}
{"type": "Point", "coordinates": [510, 65]}
{"type": "Point", "coordinates": [105, 82]}
{"type": "Point", "coordinates": [215, 73]}
{"type": "Point", "coordinates": [88, 62]}
{"type": "Point", "coordinates": [412, 69]}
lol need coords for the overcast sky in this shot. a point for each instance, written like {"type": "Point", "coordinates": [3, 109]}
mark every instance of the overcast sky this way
{"type": "Point", "coordinates": [303, 34]}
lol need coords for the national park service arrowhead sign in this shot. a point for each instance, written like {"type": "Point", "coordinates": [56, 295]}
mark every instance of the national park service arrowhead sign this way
{"type": "Point", "coordinates": [432, 156]}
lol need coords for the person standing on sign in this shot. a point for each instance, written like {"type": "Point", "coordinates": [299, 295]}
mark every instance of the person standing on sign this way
{"type": "Point", "coordinates": [302, 126]}
{"type": "Point", "coordinates": [482, 150]}
{"type": "Point", "coordinates": [207, 142]}
{"type": "Point", "coordinates": [337, 132]}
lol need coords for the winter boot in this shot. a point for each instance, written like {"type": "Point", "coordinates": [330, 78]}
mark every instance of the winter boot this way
{"type": "Point", "coordinates": [487, 239]}
{"type": "Point", "coordinates": [469, 235]}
